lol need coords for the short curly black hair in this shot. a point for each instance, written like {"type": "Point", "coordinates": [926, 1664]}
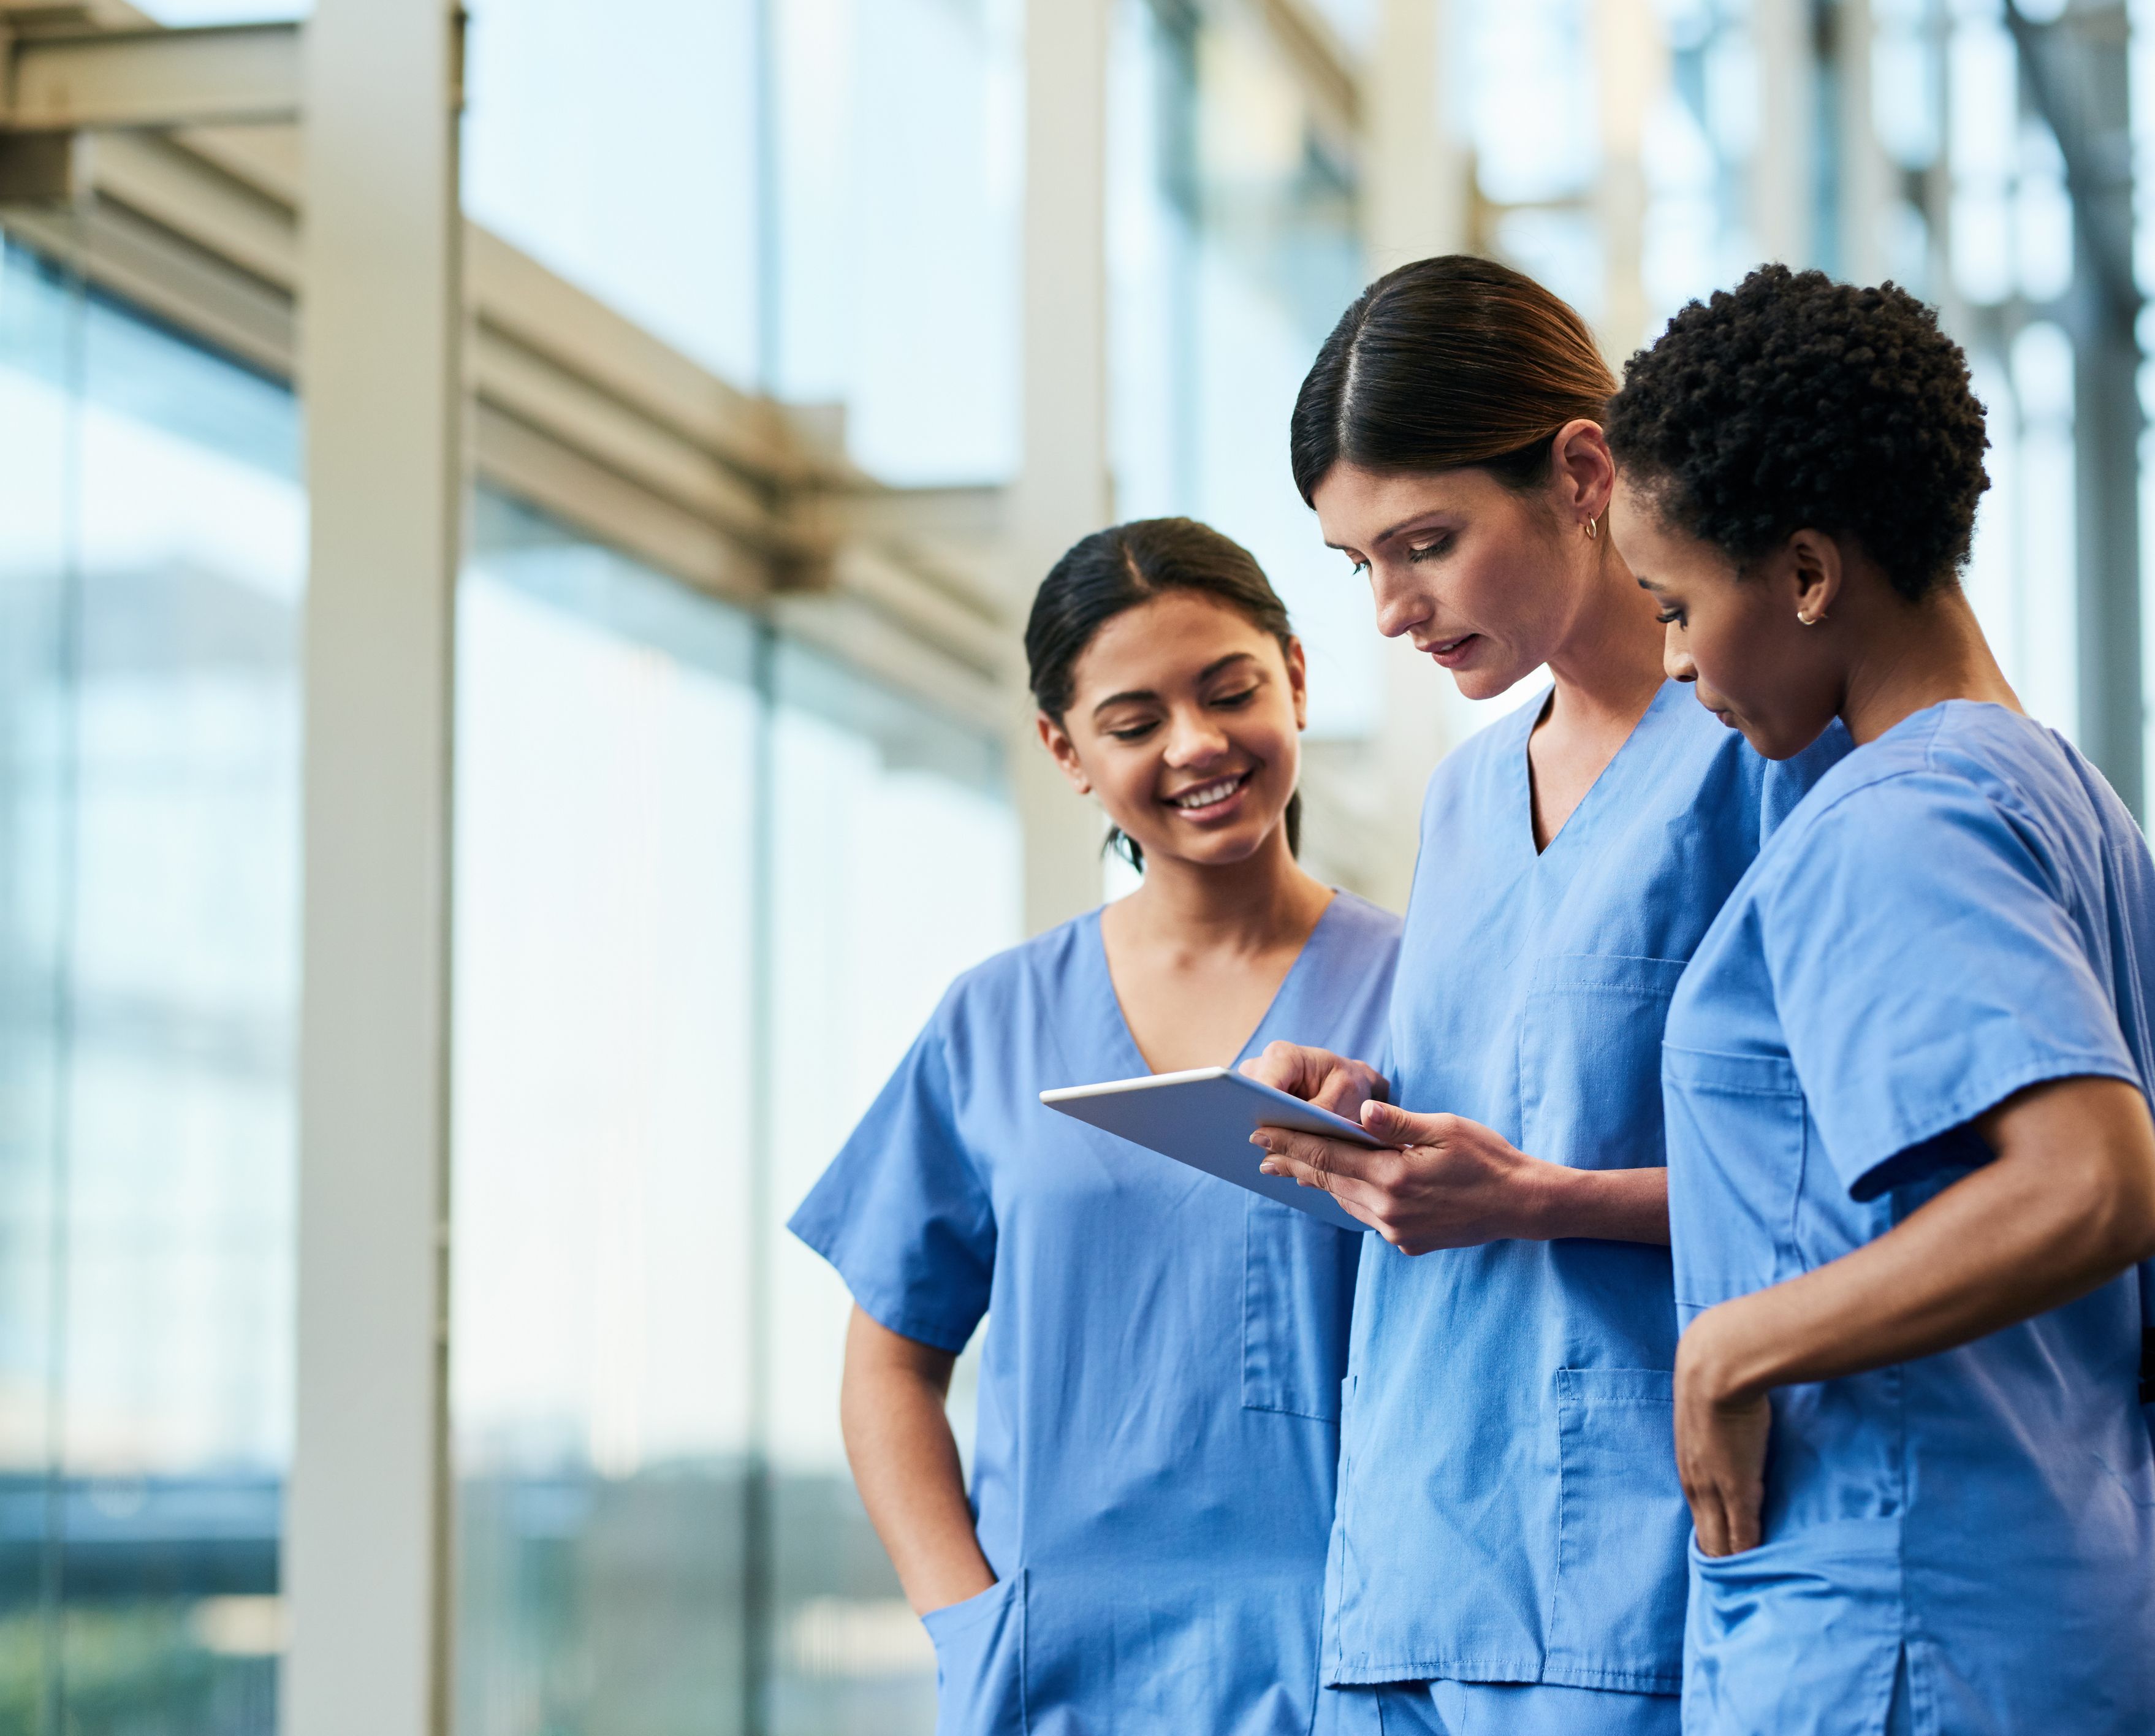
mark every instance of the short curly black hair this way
{"type": "Point", "coordinates": [1792, 401]}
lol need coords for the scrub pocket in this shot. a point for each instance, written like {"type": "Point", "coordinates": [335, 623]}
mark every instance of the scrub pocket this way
{"type": "Point", "coordinates": [1725, 1214]}
{"type": "Point", "coordinates": [1298, 1299]}
{"type": "Point", "coordinates": [979, 1661]}
{"type": "Point", "coordinates": [1618, 1615]}
{"type": "Point", "coordinates": [1591, 1060]}
{"type": "Point", "coordinates": [1800, 1635]}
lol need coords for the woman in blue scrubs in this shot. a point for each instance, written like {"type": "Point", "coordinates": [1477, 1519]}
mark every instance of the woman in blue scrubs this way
{"type": "Point", "coordinates": [1508, 1556]}
{"type": "Point", "coordinates": [1910, 1164]}
{"type": "Point", "coordinates": [1143, 1549]}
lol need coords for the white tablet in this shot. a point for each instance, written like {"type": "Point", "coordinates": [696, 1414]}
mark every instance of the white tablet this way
{"type": "Point", "coordinates": [1203, 1118]}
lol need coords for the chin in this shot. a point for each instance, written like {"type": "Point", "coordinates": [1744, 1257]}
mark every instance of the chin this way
{"type": "Point", "coordinates": [1219, 850]}
{"type": "Point", "coordinates": [1485, 684]}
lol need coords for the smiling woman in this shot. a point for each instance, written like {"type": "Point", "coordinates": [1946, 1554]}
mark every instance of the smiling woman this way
{"type": "Point", "coordinates": [1144, 1547]}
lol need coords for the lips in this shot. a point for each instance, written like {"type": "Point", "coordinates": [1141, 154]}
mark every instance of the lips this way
{"type": "Point", "coordinates": [1202, 799]}
{"type": "Point", "coordinates": [1449, 651]}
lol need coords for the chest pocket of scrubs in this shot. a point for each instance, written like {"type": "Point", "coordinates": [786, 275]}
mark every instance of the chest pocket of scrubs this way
{"type": "Point", "coordinates": [1297, 1298]}
{"type": "Point", "coordinates": [1748, 1109]}
{"type": "Point", "coordinates": [1591, 1060]}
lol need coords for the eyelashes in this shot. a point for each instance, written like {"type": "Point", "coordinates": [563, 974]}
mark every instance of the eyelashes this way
{"type": "Point", "coordinates": [1232, 702]}
{"type": "Point", "coordinates": [1436, 549]}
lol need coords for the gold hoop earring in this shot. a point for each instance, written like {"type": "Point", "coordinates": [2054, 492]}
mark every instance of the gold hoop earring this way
{"type": "Point", "coordinates": [1810, 619]}
{"type": "Point", "coordinates": [1592, 529]}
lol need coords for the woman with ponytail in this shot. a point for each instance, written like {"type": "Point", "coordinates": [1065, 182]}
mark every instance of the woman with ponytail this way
{"type": "Point", "coordinates": [1509, 1559]}
{"type": "Point", "coordinates": [1142, 1548]}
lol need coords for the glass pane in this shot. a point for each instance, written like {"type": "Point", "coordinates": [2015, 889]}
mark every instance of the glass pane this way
{"type": "Point", "coordinates": [614, 140]}
{"type": "Point", "coordinates": [152, 552]}
{"type": "Point", "coordinates": [896, 867]}
{"type": "Point", "coordinates": [900, 151]}
{"type": "Point", "coordinates": [606, 736]}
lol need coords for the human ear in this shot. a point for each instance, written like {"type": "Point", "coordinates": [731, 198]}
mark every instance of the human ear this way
{"type": "Point", "coordinates": [1297, 682]}
{"type": "Point", "coordinates": [1064, 752]}
{"type": "Point", "coordinates": [1817, 571]}
{"type": "Point", "coordinates": [1582, 471]}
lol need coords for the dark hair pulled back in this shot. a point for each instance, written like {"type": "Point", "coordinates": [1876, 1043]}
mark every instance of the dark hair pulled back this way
{"type": "Point", "coordinates": [1118, 569]}
{"type": "Point", "coordinates": [1447, 363]}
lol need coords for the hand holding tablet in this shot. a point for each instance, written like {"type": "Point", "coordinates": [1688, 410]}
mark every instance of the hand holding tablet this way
{"type": "Point", "coordinates": [1203, 1118]}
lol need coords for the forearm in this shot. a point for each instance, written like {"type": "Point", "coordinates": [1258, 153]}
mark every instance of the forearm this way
{"type": "Point", "coordinates": [905, 1464]}
{"type": "Point", "coordinates": [1602, 1205]}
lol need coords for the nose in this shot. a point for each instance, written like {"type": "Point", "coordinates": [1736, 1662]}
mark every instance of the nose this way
{"type": "Point", "coordinates": [1400, 608]}
{"type": "Point", "coordinates": [1194, 739]}
{"type": "Point", "coordinates": [1676, 662]}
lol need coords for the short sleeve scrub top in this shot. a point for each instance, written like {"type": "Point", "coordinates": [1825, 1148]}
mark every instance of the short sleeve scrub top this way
{"type": "Point", "coordinates": [1157, 1446]}
{"type": "Point", "coordinates": [1509, 1512]}
{"type": "Point", "coordinates": [1962, 908]}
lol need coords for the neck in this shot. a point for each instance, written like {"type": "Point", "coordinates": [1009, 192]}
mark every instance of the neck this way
{"type": "Point", "coordinates": [1916, 655]}
{"type": "Point", "coordinates": [1253, 904]}
{"type": "Point", "coordinates": [1608, 667]}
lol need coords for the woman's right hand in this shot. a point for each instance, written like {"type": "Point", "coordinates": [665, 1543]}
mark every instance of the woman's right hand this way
{"type": "Point", "coordinates": [1331, 1082]}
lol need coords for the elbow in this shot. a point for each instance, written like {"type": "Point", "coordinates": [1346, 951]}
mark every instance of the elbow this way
{"type": "Point", "coordinates": [2115, 1213]}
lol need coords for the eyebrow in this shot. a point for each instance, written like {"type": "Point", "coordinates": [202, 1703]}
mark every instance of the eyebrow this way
{"type": "Point", "coordinates": [1385, 536]}
{"type": "Point", "coordinates": [1140, 693]}
{"type": "Point", "coordinates": [1645, 583]}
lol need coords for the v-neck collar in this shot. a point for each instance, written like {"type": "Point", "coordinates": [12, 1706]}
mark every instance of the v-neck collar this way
{"type": "Point", "coordinates": [1126, 1039]}
{"type": "Point", "coordinates": [1523, 768]}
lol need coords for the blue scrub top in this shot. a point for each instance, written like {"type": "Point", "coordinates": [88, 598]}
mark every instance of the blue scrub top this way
{"type": "Point", "coordinates": [1962, 908]}
{"type": "Point", "coordinates": [1508, 1507]}
{"type": "Point", "coordinates": [1153, 1471]}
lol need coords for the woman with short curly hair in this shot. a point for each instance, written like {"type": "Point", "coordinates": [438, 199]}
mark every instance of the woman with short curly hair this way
{"type": "Point", "coordinates": [1912, 1168]}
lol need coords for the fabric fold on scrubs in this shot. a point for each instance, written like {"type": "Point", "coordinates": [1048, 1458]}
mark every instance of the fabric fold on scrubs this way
{"type": "Point", "coordinates": [1158, 1405]}
{"type": "Point", "coordinates": [1961, 909]}
{"type": "Point", "coordinates": [1509, 1510]}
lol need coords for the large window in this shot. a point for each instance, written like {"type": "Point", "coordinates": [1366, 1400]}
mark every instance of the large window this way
{"type": "Point", "coordinates": [151, 549]}
{"type": "Point", "coordinates": [656, 1531]}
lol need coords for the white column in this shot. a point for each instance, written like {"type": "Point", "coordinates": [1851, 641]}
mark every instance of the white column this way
{"type": "Point", "coordinates": [1631, 66]}
{"type": "Point", "coordinates": [1414, 172]}
{"type": "Point", "coordinates": [365, 1525]}
{"type": "Point", "coordinates": [1866, 174]}
{"type": "Point", "coordinates": [1416, 194]}
{"type": "Point", "coordinates": [1783, 158]}
{"type": "Point", "coordinates": [1062, 491]}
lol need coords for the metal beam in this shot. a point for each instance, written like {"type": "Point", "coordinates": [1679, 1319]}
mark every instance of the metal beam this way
{"type": "Point", "coordinates": [366, 1538]}
{"type": "Point", "coordinates": [64, 81]}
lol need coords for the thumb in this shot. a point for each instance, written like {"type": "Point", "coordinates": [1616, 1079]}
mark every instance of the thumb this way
{"type": "Point", "coordinates": [1386, 1121]}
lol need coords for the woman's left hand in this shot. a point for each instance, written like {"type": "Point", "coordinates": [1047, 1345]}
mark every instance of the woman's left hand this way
{"type": "Point", "coordinates": [1721, 1440]}
{"type": "Point", "coordinates": [1445, 1181]}
{"type": "Point", "coordinates": [1441, 1181]}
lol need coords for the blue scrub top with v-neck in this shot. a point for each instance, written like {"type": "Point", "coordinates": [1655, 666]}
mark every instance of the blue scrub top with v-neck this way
{"type": "Point", "coordinates": [1508, 1507]}
{"type": "Point", "coordinates": [1154, 1470]}
{"type": "Point", "coordinates": [1962, 908]}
